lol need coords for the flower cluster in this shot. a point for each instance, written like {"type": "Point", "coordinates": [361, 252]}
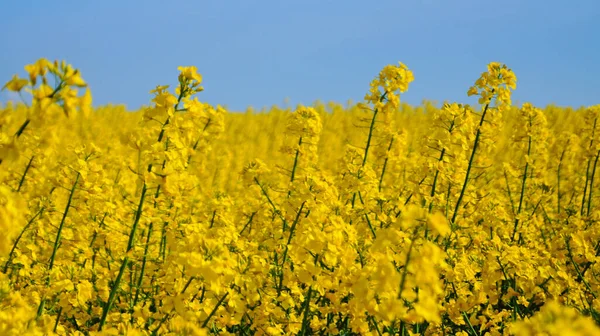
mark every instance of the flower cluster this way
{"type": "Point", "coordinates": [378, 218]}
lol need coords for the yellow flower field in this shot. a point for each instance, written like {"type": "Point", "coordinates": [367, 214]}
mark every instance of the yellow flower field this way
{"type": "Point", "coordinates": [378, 218]}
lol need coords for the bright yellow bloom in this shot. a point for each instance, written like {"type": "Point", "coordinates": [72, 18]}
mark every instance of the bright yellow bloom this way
{"type": "Point", "coordinates": [190, 73]}
{"type": "Point", "coordinates": [16, 84]}
{"type": "Point", "coordinates": [39, 68]}
{"type": "Point", "coordinates": [371, 219]}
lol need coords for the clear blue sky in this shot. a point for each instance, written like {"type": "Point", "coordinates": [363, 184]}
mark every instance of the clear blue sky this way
{"type": "Point", "coordinates": [257, 53]}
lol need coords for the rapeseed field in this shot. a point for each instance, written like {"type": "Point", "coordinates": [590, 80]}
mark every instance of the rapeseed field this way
{"type": "Point", "coordinates": [376, 218]}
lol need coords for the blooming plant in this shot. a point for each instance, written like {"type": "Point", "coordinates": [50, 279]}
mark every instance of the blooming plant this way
{"type": "Point", "coordinates": [183, 219]}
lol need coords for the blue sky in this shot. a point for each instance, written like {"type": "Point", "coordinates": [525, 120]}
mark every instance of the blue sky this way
{"type": "Point", "coordinates": [258, 53]}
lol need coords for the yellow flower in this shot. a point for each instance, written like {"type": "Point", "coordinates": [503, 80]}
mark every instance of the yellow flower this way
{"type": "Point", "coordinates": [438, 223]}
{"type": "Point", "coordinates": [190, 73]}
{"type": "Point", "coordinates": [555, 319]}
{"type": "Point", "coordinates": [16, 84]}
{"type": "Point", "coordinates": [39, 68]}
{"type": "Point", "coordinates": [73, 77]}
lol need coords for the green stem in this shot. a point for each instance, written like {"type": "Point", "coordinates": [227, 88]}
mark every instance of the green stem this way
{"type": "Point", "coordinates": [437, 171]}
{"type": "Point", "coordinates": [469, 324]}
{"type": "Point", "coordinates": [385, 162]}
{"type": "Point", "coordinates": [367, 216]}
{"type": "Point", "coordinates": [370, 226]}
{"type": "Point", "coordinates": [562, 155]}
{"type": "Point", "coordinates": [141, 277]}
{"type": "Point", "coordinates": [305, 321]}
{"type": "Point", "coordinates": [62, 222]}
{"type": "Point", "coordinates": [125, 262]}
{"type": "Point", "coordinates": [589, 207]}
{"type": "Point", "coordinates": [296, 160]}
{"type": "Point", "coordinates": [22, 128]}
{"type": "Point", "coordinates": [587, 173]}
{"type": "Point", "coordinates": [590, 263]}
{"type": "Point", "coordinates": [198, 141]}
{"type": "Point", "coordinates": [163, 243]}
{"type": "Point", "coordinates": [113, 292]}
{"type": "Point", "coordinates": [587, 180]}
{"type": "Point", "coordinates": [405, 270]}
{"type": "Point", "coordinates": [40, 309]}
{"type": "Point", "coordinates": [264, 192]}
{"type": "Point", "coordinates": [435, 179]}
{"type": "Point", "coordinates": [138, 215]}
{"type": "Point", "coordinates": [248, 223]}
{"type": "Point", "coordinates": [57, 320]}
{"type": "Point", "coordinates": [25, 174]}
{"type": "Point", "coordinates": [522, 189]}
{"type": "Point", "coordinates": [212, 220]}
{"type": "Point", "coordinates": [376, 326]}
{"type": "Point", "coordinates": [576, 266]}
{"type": "Point", "coordinates": [12, 251]}
{"type": "Point", "coordinates": [471, 160]}
{"type": "Point", "coordinates": [371, 130]}
{"type": "Point", "coordinates": [212, 313]}
{"type": "Point", "coordinates": [289, 241]}
{"type": "Point", "coordinates": [510, 198]}
{"type": "Point", "coordinates": [187, 284]}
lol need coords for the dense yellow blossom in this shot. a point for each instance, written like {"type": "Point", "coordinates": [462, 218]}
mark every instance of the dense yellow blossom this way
{"type": "Point", "coordinates": [376, 218]}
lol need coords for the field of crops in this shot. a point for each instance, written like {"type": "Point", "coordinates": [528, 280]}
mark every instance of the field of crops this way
{"type": "Point", "coordinates": [372, 219]}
